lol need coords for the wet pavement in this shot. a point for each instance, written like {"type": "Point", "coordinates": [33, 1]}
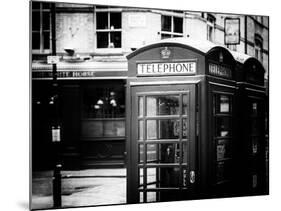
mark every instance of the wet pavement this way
{"type": "Point", "coordinates": [80, 188]}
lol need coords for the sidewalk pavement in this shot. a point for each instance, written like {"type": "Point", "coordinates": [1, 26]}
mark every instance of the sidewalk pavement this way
{"type": "Point", "coordinates": [80, 188]}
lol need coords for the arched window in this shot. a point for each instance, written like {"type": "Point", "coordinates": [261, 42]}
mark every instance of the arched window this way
{"type": "Point", "coordinates": [258, 47]}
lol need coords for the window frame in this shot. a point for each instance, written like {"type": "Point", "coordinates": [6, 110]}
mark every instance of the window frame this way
{"type": "Point", "coordinates": [258, 48]}
{"type": "Point", "coordinates": [41, 31]}
{"type": "Point", "coordinates": [211, 21]}
{"type": "Point", "coordinates": [171, 33]}
{"type": "Point", "coordinates": [219, 140]}
{"type": "Point", "coordinates": [108, 10]}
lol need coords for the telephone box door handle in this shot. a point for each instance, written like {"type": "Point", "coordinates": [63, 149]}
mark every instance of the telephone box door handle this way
{"type": "Point", "coordinates": [192, 177]}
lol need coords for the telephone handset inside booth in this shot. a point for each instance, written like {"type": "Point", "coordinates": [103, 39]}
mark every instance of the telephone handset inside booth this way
{"type": "Point", "coordinates": [170, 175]}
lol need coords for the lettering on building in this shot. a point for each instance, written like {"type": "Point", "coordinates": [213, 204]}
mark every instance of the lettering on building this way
{"type": "Point", "coordinates": [64, 74]}
{"type": "Point", "coordinates": [220, 71]}
{"type": "Point", "coordinates": [181, 68]}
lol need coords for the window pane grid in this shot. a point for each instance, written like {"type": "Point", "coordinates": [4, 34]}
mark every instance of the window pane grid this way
{"type": "Point", "coordinates": [163, 153]}
{"type": "Point", "coordinates": [171, 27]}
{"type": "Point", "coordinates": [41, 26]}
{"type": "Point", "coordinates": [167, 158]}
{"type": "Point", "coordinates": [222, 112]}
{"type": "Point", "coordinates": [109, 29]}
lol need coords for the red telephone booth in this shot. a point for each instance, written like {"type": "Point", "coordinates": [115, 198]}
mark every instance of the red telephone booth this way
{"type": "Point", "coordinates": [251, 124]}
{"type": "Point", "coordinates": [180, 122]}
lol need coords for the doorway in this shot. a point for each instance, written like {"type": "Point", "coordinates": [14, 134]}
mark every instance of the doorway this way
{"type": "Point", "coordinates": [162, 164]}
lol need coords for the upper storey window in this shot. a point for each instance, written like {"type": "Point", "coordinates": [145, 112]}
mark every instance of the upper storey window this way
{"type": "Point", "coordinates": [258, 48]}
{"type": "Point", "coordinates": [109, 28]}
{"type": "Point", "coordinates": [171, 26]}
{"type": "Point", "coordinates": [41, 27]}
{"type": "Point", "coordinates": [210, 27]}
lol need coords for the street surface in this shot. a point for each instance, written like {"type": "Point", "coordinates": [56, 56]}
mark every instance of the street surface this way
{"type": "Point", "coordinates": [80, 188]}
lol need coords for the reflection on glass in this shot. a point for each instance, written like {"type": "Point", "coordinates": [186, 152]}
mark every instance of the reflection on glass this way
{"type": "Point", "coordinates": [223, 124]}
{"type": "Point", "coordinates": [254, 108]}
{"type": "Point", "coordinates": [166, 129]}
{"type": "Point", "coordinates": [223, 149]}
{"type": "Point", "coordinates": [185, 178]}
{"type": "Point", "coordinates": [151, 153]}
{"type": "Point", "coordinates": [184, 128]}
{"type": "Point", "coordinates": [162, 105]}
{"type": "Point", "coordinates": [115, 38]}
{"type": "Point", "coordinates": [166, 22]}
{"type": "Point", "coordinates": [170, 153]}
{"type": "Point", "coordinates": [151, 175]}
{"type": "Point", "coordinates": [166, 153]}
{"type": "Point", "coordinates": [102, 40]}
{"type": "Point", "coordinates": [220, 171]}
{"type": "Point", "coordinates": [140, 113]}
{"type": "Point", "coordinates": [184, 104]}
{"type": "Point", "coordinates": [151, 185]}
{"type": "Point", "coordinates": [255, 180]}
{"type": "Point", "coordinates": [115, 20]}
{"type": "Point", "coordinates": [223, 171]}
{"type": "Point", "coordinates": [184, 152]}
{"type": "Point", "coordinates": [151, 129]}
{"type": "Point", "coordinates": [178, 24]}
{"type": "Point", "coordinates": [141, 197]}
{"type": "Point", "coordinates": [151, 106]}
{"type": "Point", "coordinates": [140, 130]}
{"type": "Point", "coordinates": [151, 196]}
{"type": "Point", "coordinates": [141, 153]}
{"type": "Point", "coordinates": [102, 20]}
{"type": "Point", "coordinates": [255, 126]}
{"type": "Point", "coordinates": [224, 104]}
{"type": "Point", "coordinates": [164, 177]}
{"type": "Point", "coordinates": [140, 176]}
{"type": "Point", "coordinates": [254, 145]}
{"type": "Point", "coordinates": [170, 177]}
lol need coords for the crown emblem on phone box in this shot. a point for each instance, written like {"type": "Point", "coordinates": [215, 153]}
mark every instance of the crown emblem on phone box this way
{"type": "Point", "coordinates": [165, 53]}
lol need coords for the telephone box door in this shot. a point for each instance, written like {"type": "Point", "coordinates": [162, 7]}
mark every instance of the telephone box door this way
{"type": "Point", "coordinates": [162, 145]}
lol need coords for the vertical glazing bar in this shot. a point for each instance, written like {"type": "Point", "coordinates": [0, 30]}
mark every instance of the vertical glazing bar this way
{"type": "Point", "coordinates": [180, 140]}
{"type": "Point", "coordinates": [41, 28]}
{"type": "Point", "coordinates": [108, 26]}
{"type": "Point", "coordinates": [144, 150]}
{"type": "Point", "coordinates": [157, 170]}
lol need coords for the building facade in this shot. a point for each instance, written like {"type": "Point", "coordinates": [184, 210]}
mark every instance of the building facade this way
{"type": "Point", "coordinates": [91, 43]}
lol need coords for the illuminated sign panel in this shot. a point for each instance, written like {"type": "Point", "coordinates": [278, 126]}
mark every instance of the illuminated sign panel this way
{"type": "Point", "coordinates": [220, 71]}
{"type": "Point", "coordinates": [176, 68]}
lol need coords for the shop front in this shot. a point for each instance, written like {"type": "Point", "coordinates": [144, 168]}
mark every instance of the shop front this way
{"type": "Point", "coordinates": [91, 114]}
